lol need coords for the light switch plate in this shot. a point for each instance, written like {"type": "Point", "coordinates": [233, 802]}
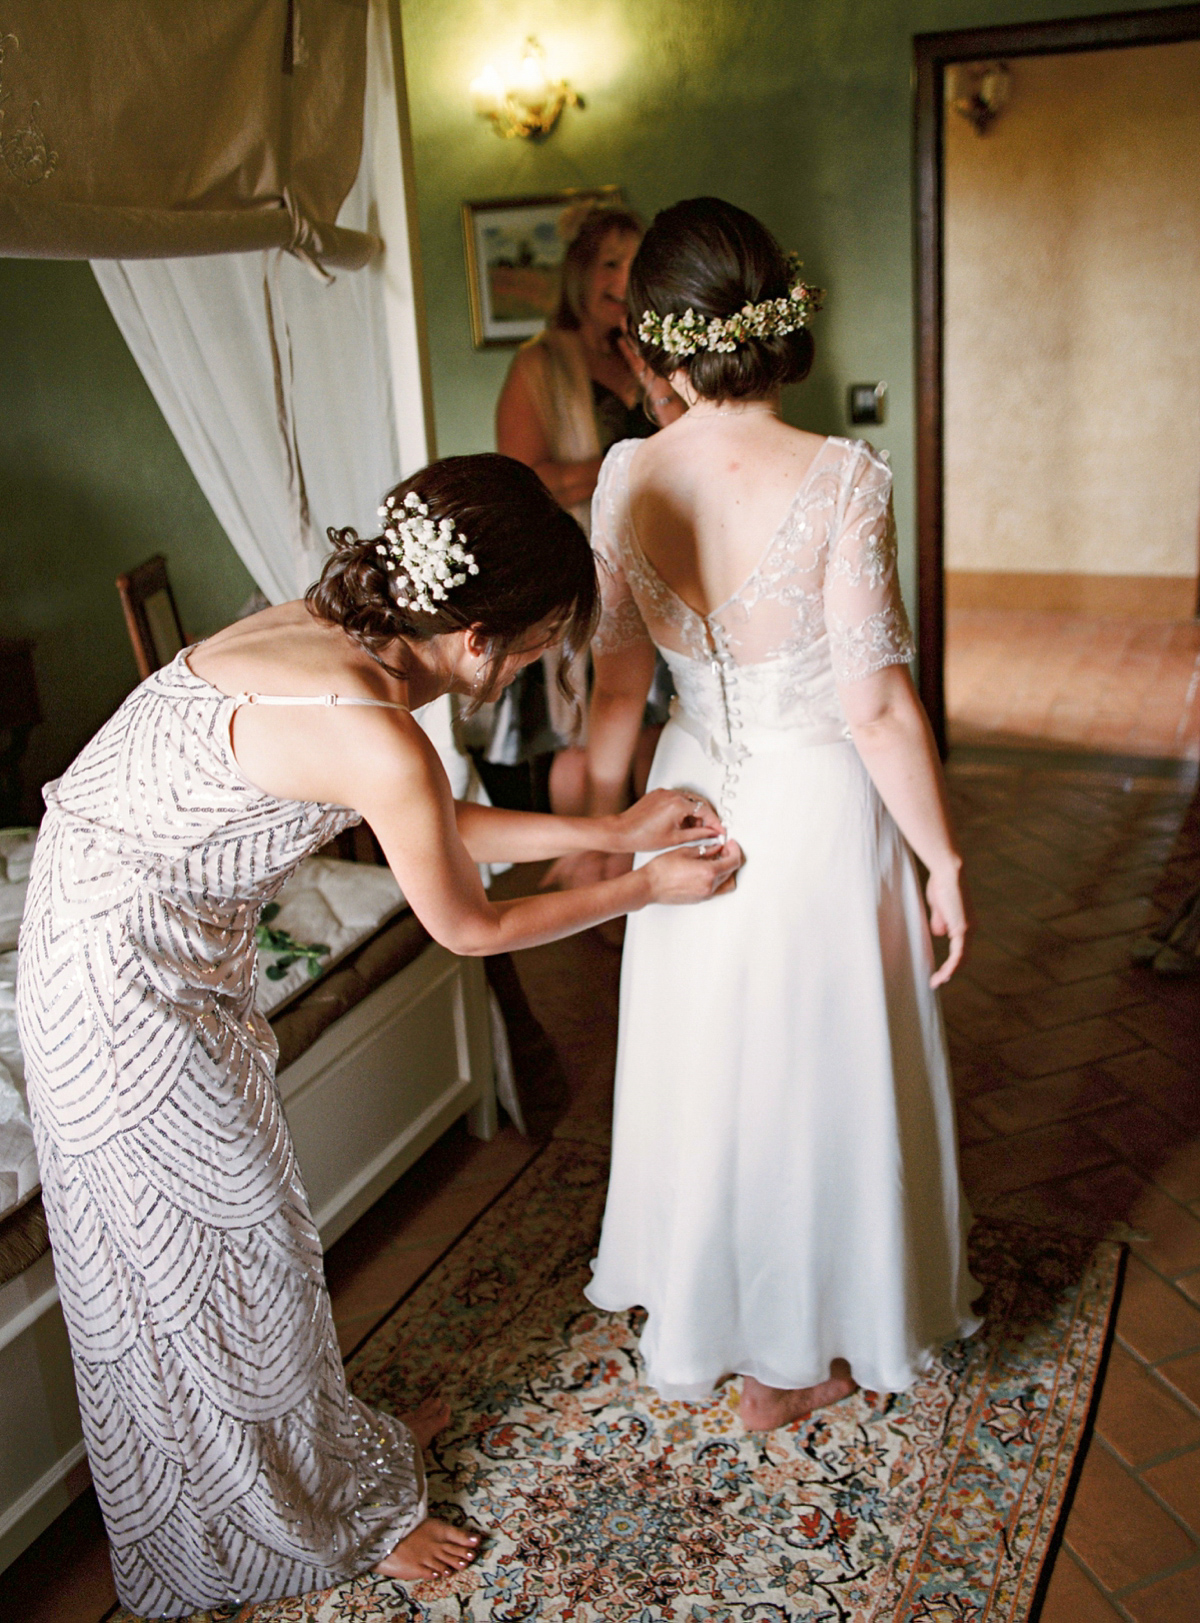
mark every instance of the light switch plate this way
{"type": "Point", "coordinates": [866, 402]}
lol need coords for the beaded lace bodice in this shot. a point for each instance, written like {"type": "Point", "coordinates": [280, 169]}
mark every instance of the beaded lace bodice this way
{"type": "Point", "coordinates": [821, 607]}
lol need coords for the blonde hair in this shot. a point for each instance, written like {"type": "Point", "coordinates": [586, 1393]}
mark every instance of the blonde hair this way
{"type": "Point", "coordinates": [583, 250]}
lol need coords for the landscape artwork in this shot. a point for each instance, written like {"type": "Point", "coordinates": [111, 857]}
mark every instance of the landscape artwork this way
{"type": "Point", "coordinates": [515, 249]}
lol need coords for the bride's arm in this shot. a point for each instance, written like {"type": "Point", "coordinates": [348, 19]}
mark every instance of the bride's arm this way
{"type": "Point", "coordinates": [892, 735]}
{"type": "Point", "coordinates": [621, 683]}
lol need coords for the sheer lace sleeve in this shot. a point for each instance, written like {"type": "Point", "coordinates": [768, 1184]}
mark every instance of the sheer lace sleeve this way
{"type": "Point", "coordinates": [864, 613]}
{"type": "Point", "coordinates": [621, 624]}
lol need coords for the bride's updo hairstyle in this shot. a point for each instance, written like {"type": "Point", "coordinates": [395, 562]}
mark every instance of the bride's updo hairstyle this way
{"type": "Point", "coordinates": [710, 257]}
{"type": "Point", "coordinates": [535, 568]}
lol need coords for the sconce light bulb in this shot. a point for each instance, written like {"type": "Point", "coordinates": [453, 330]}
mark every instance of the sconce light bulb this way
{"type": "Point", "coordinates": [994, 86]}
{"type": "Point", "coordinates": [532, 86]}
{"type": "Point", "coordinates": [487, 91]}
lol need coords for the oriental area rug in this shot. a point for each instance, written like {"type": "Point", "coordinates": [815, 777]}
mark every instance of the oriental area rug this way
{"type": "Point", "coordinates": [597, 1500]}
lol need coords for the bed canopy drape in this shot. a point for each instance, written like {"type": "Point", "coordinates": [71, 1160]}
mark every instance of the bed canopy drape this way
{"type": "Point", "coordinates": [133, 131]}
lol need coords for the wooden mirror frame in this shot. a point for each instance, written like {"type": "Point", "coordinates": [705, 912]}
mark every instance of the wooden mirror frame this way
{"type": "Point", "coordinates": [934, 53]}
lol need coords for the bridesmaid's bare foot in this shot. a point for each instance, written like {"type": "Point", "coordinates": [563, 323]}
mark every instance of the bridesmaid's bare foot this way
{"type": "Point", "coordinates": [763, 1408]}
{"type": "Point", "coordinates": [427, 1419]}
{"type": "Point", "coordinates": [431, 1550]}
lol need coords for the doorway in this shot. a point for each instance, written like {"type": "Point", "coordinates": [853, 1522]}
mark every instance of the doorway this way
{"type": "Point", "coordinates": [1058, 235]}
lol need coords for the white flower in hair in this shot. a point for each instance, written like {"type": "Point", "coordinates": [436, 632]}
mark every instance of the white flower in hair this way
{"type": "Point", "coordinates": [689, 332]}
{"type": "Point", "coordinates": [425, 559]}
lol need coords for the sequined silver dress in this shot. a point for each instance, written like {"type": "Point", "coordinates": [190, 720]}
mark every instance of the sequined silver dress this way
{"type": "Point", "coordinates": [230, 1461]}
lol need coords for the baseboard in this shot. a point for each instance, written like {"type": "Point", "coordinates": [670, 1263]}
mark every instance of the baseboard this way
{"type": "Point", "coordinates": [1134, 597]}
{"type": "Point", "coordinates": [44, 1502]}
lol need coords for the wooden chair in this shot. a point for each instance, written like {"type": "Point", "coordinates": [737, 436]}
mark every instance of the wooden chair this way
{"type": "Point", "coordinates": [151, 615]}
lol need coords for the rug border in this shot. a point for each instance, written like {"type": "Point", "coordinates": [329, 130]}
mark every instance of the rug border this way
{"type": "Point", "coordinates": [1054, 1543]}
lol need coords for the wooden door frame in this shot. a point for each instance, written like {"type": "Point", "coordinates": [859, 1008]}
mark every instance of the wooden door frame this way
{"type": "Point", "coordinates": [933, 54]}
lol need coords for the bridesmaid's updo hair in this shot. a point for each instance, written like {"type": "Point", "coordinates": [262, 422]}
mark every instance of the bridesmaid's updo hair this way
{"type": "Point", "coordinates": [708, 256]}
{"type": "Point", "coordinates": [535, 568]}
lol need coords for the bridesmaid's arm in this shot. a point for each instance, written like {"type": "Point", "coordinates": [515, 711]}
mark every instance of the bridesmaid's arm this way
{"type": "Point", "coordinates": [658, 820]}
{"type": "Point", "coordinates": [892, 735]}
{"type": "Point", "coordinates": [404, 795]}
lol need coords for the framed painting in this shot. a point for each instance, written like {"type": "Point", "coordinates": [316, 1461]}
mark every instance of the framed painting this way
{"type": "Point", "coordinates": [515, 247]}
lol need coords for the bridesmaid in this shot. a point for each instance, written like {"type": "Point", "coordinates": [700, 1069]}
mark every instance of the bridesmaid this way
{"type": "Point", "coordinates": [231, 1463]}
{"type": "Point", "coordinates": [571, 392]}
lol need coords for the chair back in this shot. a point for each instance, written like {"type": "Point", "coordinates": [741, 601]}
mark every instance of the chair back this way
{"type": "Point", "coordinates": [151, 615]}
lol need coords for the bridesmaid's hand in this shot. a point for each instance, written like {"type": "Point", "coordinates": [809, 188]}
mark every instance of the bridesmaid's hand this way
{"type": "Point", "coordinates": [694, 875]}
{"type": "Point", "coordinates": [949, 915]}
{"type": "Point", "coordinates": [663, 818]}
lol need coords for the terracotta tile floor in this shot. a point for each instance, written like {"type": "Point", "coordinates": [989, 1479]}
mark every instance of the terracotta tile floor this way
{"type": "Point", "coordinates": [1131, 687]}
{"type": "Point", "coordinates": [1079, 1084]}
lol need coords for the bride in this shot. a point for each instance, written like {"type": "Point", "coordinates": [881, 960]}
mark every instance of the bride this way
{"type": "Point", "coordinates": [784, 1198]}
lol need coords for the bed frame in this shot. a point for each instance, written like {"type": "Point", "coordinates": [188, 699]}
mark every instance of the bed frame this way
{"type": "Point", "coordinates": [368, 1097]}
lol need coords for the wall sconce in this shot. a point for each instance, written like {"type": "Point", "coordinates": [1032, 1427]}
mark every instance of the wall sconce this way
{"type": "Point", "coordinates": [979, 91]}
{"type": "Point", "coordinates": [530, 104]}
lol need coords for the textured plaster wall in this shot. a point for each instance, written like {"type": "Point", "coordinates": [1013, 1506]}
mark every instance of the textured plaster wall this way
{"type": "Point", "coordinates": [1073, 320]}
{"type": "Point", "coordinates": [91, 483]}
{"type": "Point", "coordinates": [799, 110]}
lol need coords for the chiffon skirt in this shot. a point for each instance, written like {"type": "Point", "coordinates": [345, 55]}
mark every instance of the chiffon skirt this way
{"type": "Point", "coordinates": [784, 1182]}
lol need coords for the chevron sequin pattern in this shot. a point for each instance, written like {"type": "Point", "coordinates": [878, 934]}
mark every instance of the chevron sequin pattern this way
{"type": "Point", "coordinates": [230, 1461]}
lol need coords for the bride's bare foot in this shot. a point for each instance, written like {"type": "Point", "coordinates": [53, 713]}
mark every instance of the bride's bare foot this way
{"type": "Point", "coordinates": [763, 1408]}
{"type": "Point", "coordinates": [430, 1551]}
{"type": "Point", "coordinates": [427, 1419]}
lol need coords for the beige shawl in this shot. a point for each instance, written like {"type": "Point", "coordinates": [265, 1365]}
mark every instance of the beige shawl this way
{"type": "Point", "coordinates": [562, 391]}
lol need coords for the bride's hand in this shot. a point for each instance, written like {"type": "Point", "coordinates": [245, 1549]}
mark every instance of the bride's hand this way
{"type": "Point", "coordinates": [949, 915]}
{"type": "Point", "coordinates": [663, 818]}
{"type": "Point", "coordinates": [694, 875]}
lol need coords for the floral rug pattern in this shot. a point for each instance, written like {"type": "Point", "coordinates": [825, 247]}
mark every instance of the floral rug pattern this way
{"type": "Point", "coordinates": [597, 1500]}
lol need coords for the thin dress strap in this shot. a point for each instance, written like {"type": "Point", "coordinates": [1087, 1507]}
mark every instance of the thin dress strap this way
{"type": "Point", "coordinates": [313, 698]}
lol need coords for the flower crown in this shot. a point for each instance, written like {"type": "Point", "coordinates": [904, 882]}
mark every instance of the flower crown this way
{"type": "Point", "coordinates": [422, 554]}
{"type": "Point", "coordinates": [687, 334]}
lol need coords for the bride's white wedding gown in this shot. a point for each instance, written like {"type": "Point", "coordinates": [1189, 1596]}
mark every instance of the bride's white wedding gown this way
{"type": "Point", "coordinates": [784, 1182]}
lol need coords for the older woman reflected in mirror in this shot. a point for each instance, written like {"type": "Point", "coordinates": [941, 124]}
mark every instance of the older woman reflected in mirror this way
{"type": "Point", "coordinates": [572, 392]}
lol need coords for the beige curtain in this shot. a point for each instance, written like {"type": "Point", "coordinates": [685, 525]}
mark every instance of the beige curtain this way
{"type": "Point", "coordinates": [136, 130]}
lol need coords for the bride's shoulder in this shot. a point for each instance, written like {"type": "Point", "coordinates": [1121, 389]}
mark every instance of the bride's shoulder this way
{"type": "Point", "coordinates": [614, 469]}
{"type": "Point", "coordinates": [858, 461]}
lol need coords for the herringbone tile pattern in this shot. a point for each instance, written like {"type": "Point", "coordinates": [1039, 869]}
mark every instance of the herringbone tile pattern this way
{"type": "Point", "coordinates": [1079, 1086]}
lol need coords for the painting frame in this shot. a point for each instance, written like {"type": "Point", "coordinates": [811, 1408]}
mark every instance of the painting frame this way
{"type": "Point", "coordinates": [488, 223]}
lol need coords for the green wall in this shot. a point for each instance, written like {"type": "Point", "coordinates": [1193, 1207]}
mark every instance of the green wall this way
{"type": "Point", "coordinates": [799, 110]}
{"type": "Point", "coordinates": [91, 483]}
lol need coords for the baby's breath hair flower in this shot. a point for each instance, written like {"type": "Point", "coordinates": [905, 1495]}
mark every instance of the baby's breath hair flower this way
{"type": "Point", "coordinates": [425, 561]}
{"type": "Point", "coordinates": [687, 334]}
